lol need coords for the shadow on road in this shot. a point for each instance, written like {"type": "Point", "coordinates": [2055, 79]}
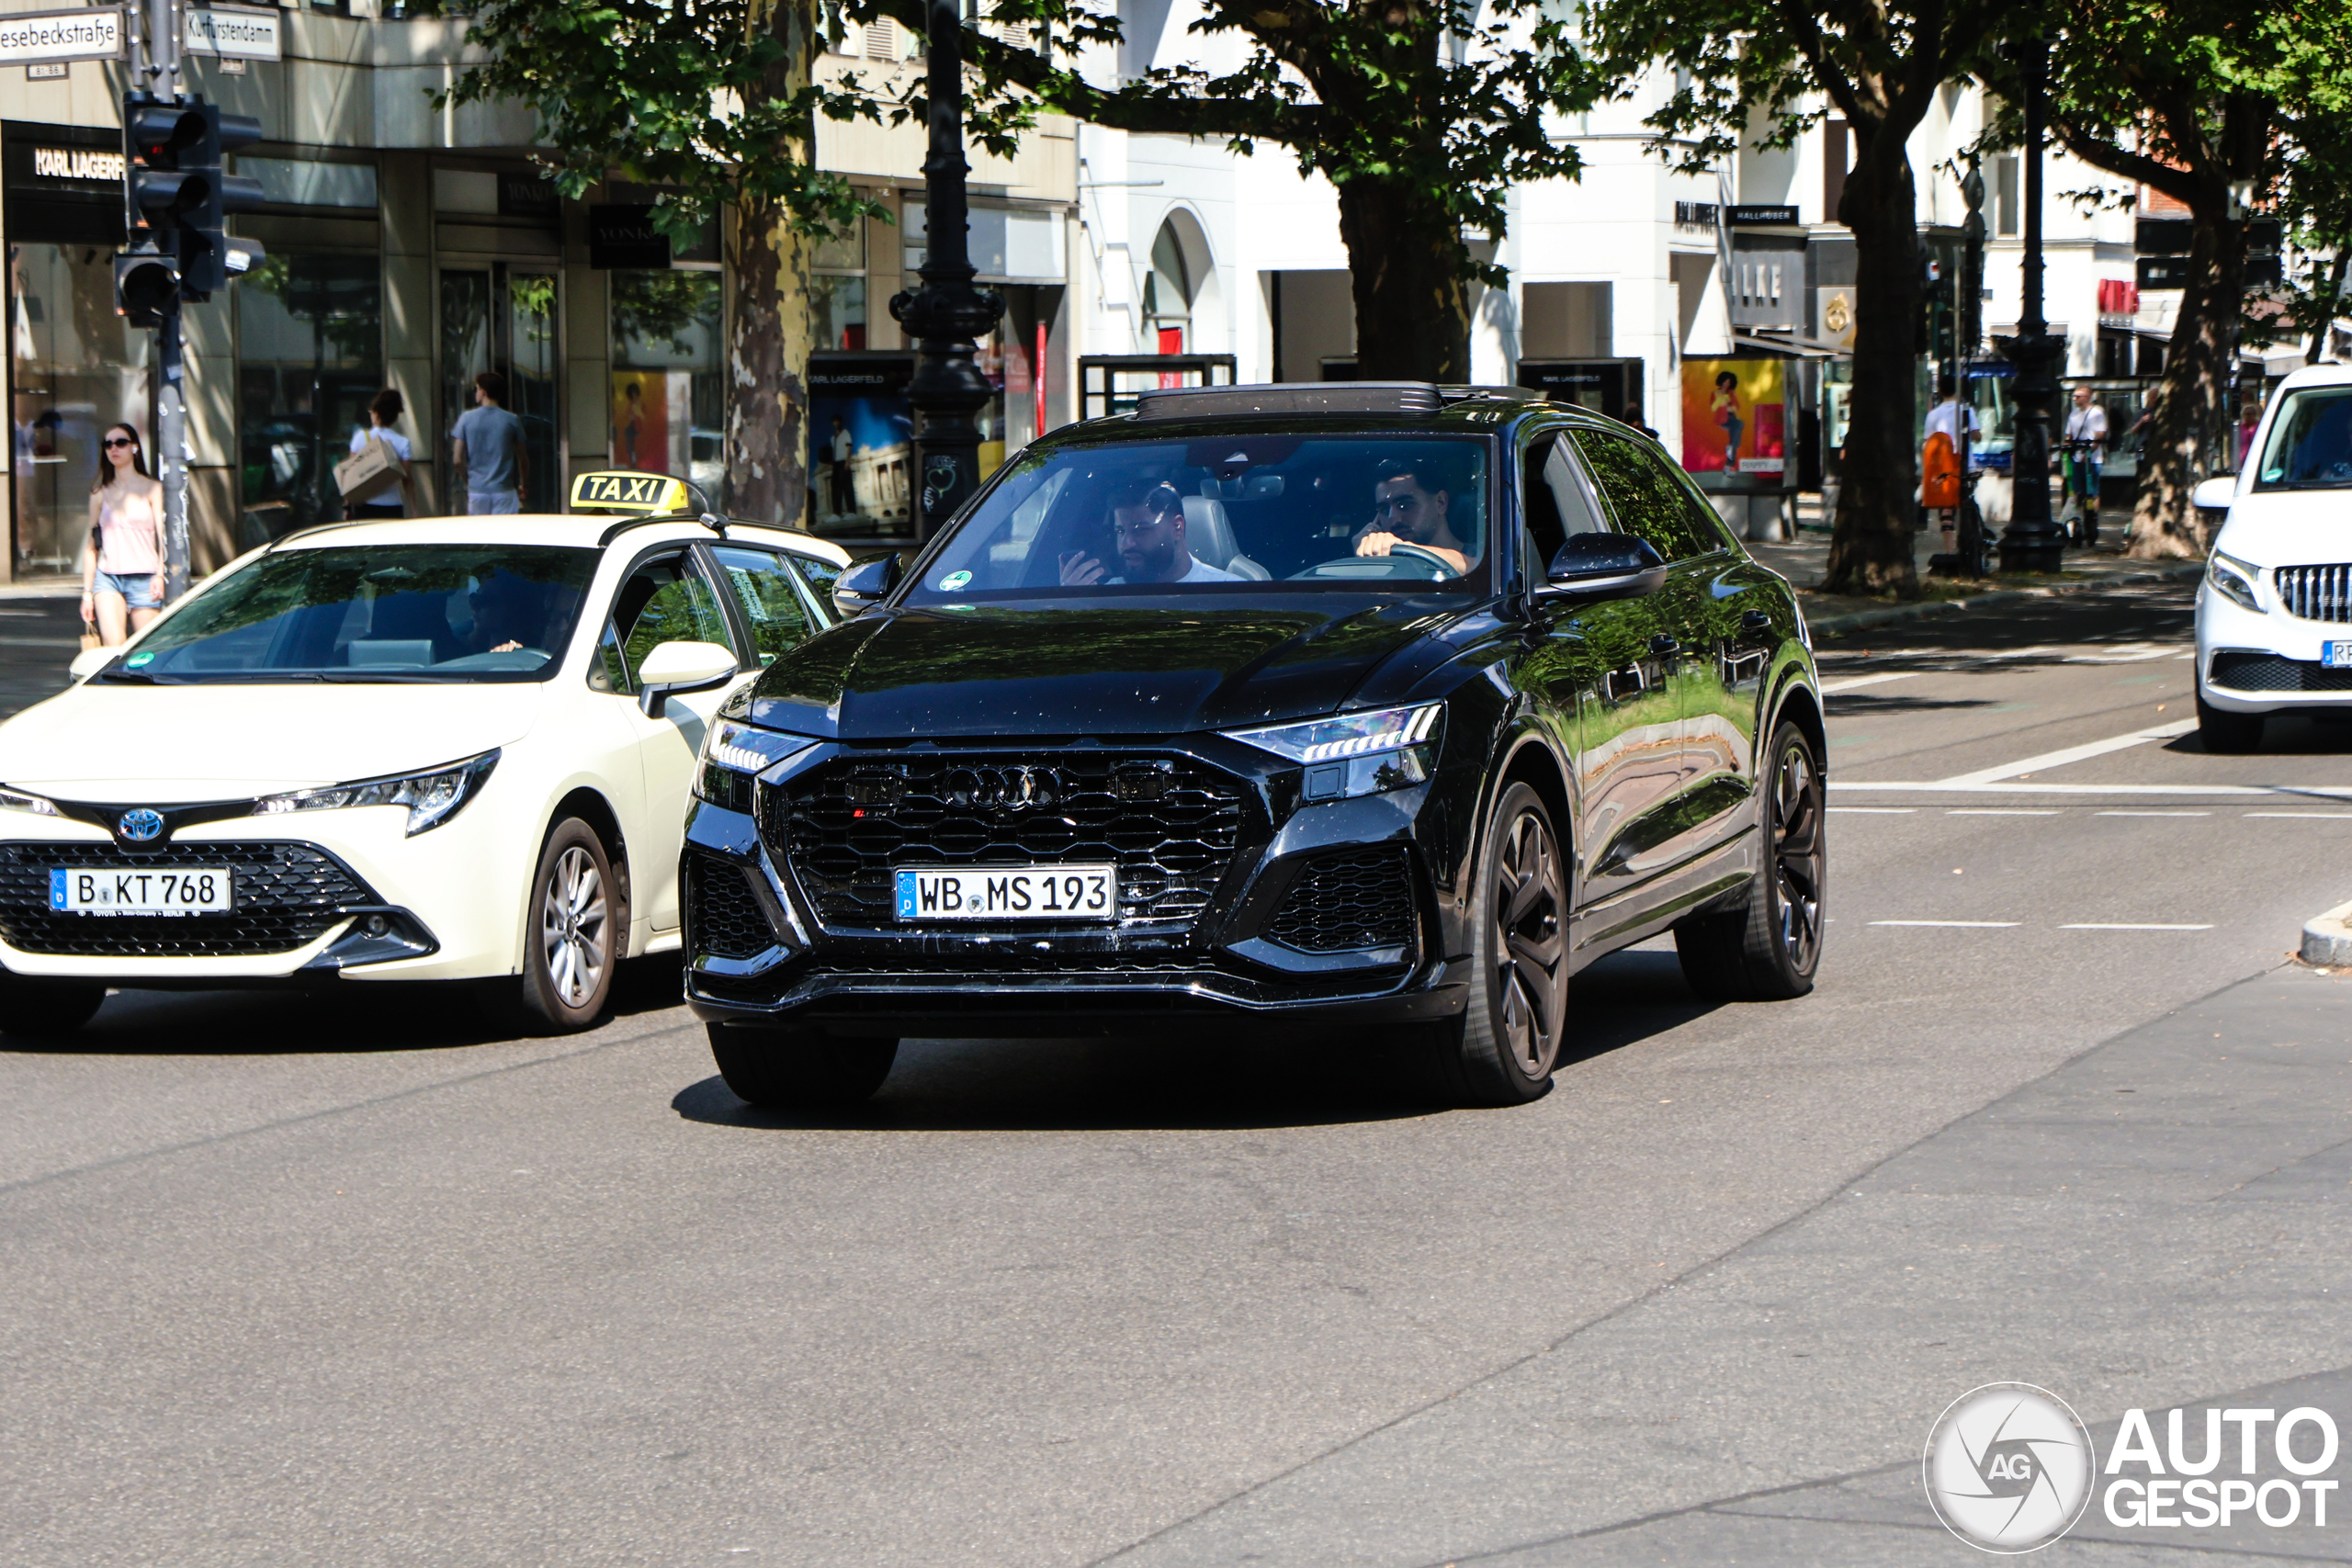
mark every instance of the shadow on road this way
{"type": "Point", "coordinates": [346, 1016]}
{"type": "Point", "coordinates": [1221, 1084]}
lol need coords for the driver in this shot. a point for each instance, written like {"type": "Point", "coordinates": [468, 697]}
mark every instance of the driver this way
{"type": "Point", "coordinates": [1409, 502]}
{"type": "Point", "coordinates": [1149, 523]}
{"type": "Point", "coordinates": [502, 614]}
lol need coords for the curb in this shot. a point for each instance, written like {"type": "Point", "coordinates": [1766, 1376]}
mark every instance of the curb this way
{"type": "Point", "coordinates": [1862, 620]}
{"type": "Point", "coordinates": [2327, 938]}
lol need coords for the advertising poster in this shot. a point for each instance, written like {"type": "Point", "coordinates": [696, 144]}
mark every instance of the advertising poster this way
{"type": "Point", "coordinates": [860, 429]}
{"type": "Point", "coordinates": [1734, 419]}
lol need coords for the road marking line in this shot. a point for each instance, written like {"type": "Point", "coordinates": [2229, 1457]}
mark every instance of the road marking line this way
{"type": "Point", "coordinates": [2001, 811]}
{"type": "Point", "coordinates": [1971, 925]}
{"type": "Point", "coordinates": [2073, 754]}
{"type": "Point", "coordinates": [2151, 813]}
{"type": "Point", "coordinates": [1855, 683]}
{"type": "Point", "coordinates": [2274, 816]}
{"type": "Point", "coordinates": [2118, 928]}
{"type": "Point", "coordinates": [2314, 792]}
{"type": "Point", "coordinates": [1878, 810]}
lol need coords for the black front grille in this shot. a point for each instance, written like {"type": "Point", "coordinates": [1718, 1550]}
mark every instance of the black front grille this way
{"type": "Point", "coordinates": [723, 916]}
{"type": "Point", "coordinates": [286, 896]}
{"type": "Point", "coordinates": [1168, 824]}
{"type": "Point", "coordinates": [2242, 672]}
{"type": "Point", "coordinates": [1345, 902]}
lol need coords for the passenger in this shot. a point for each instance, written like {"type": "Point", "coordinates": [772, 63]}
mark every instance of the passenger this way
{"type": "Point", "coordinates": [122, 568]}
{"type": "Point", "coordinates": [1148, 525]}
{"type": "Point", "coordinates": [1410, 505]}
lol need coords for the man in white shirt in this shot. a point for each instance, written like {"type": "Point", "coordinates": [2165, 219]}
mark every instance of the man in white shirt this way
{"type": "Point", "coordinates": [1944, 418]}
{"type": "Point", "coordinates": [1148, 525]}
{"type": "Point", "coordinates": [2086, 445]}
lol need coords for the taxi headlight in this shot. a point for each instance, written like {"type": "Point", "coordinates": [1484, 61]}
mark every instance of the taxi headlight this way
{"type": "Point", "coordinates": [431, 797]}
{"type": "Point", "coordinates": [17, 800]}
{"type": "Point", "coordinates": [734, 754]}
{"type": "Point", "coordinates": [1356, 753]}
{"type": "Point", "coordinates": [2234, 580]}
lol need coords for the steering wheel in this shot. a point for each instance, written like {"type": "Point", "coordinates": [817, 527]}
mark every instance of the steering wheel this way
{"type": "Point", "coordinates": [1445, 567]}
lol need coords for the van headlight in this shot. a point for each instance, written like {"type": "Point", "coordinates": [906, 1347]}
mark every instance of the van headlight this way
{"type": "Point", "coordinates": [1356, 753]}
{"type": "Point", "coordinates": [432, 796]}
{"type": "Point", "coordinates": [2234, 580]}
{"type": "Point", "coordinates": [734, 754]}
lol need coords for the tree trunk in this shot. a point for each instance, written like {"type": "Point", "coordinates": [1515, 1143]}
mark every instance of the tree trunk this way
{"type": "Point", "coordinates": [1871, 540]}
{"type": "Point", "coordinates": [1405, 264]}
{"type": "Point", "coordinates": [2189, 409]}
{"type": "Point", "coordinates": [769, 337]}
{"type": "Point", "coordinates": [2318, 346]}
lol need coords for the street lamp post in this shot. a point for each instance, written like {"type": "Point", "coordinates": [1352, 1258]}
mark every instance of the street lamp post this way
{"type": "Point", "coordinates": [1967, 330]}
{"type": "Point", "coordinates": [2032, 542]}
{"type": "Point", "coordinates": [947, 314]}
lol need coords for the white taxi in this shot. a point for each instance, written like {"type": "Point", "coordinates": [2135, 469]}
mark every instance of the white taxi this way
{"type": "Point", "coordinates": [427, 750]}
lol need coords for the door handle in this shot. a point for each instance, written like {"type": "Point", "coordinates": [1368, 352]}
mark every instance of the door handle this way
{"type": "Point", "coordinates": [1755, 623]}
{"type": "Point", "coordinates": [1664, 643]}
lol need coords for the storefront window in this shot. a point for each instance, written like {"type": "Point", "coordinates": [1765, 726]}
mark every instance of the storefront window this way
{"type": "Point", "coordinates": [78, 368]}
{"type": "Point", "coordinates": [502, 318]}
{"type": "Point", "coordinates": [668, 392]}
{"type": "Point", "coordinates": [837, 291]}
{"type": "Point", "coordinates": [310, 335]}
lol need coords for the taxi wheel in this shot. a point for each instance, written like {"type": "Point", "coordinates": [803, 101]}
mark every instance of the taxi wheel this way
{"type": "Point", "coordinates": [799, 1069]}
{"type": "Point", "coordinates": [578, 921]}
{"type": "Point", "coordinates": [46, 1007]}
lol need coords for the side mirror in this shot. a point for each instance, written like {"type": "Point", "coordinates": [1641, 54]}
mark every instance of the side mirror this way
{"type": "Point", "coordinates": [2214, 495]}
{"type": "Point", "coordinates": [862, 587]}
{"type": "Point", "coordinates": [89, 662]}
{"type": "Point", "coordinates": [1605, 566]}
{"type": "Point", "coordinates": [679, 667]}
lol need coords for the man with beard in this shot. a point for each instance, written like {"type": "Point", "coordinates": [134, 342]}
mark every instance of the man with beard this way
{"type": "Point", "coordinates": [1148, 523]}
{"type": "Point", "coordinates": [1409, 506]}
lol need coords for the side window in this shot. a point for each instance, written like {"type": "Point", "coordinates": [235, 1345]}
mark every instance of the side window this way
{"type": "Point", "coordinates": [762, 585]}
{"type": "Point", "coordinates": [820, 575]}
{"type": "Point", "coordinates": [1647, 500]}
{"type": "Point", "coordinates": [1558, 505]}
{"type": "Point", "coordinates": [665, 599]}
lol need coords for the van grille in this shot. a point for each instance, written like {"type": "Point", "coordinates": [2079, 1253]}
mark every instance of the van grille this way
{"type": "Point", "coordinates": [2317, 593]}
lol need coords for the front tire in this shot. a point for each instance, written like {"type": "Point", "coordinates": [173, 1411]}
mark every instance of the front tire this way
{"type": "Point", "coordinates": [1769, 948]}
{"type": "Point", "coordinates": [799, 1069]}
{"type": "Point", "coordinates": [2227, 734]}
{"type": "Point", "coordinates": [46, 1009]}
{"type": "Point", "coordinates": [1501, 1050]}
{"type": "Point", "coordinates": [577, 926]}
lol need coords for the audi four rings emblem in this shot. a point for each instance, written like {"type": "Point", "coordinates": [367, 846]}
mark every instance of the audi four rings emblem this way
{"type": "Point", "coordinates": [139, 825]}
{"type": "Point", "coordinates": [1013, 789]}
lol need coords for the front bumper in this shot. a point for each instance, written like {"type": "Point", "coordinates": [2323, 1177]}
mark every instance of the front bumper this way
{"type": "Point", "coordinates": [2265, 662]}
{"type": "Point", "coordinates": [760, 952]}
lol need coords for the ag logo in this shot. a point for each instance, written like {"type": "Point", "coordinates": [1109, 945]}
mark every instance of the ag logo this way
{"type": "Point", "coordinates": [2008, 1467]}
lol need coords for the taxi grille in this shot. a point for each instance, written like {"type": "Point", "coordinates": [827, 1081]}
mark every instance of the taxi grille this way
{"type": "Point", "coordinates": [287, 895]}
{"type": "Point", "coordinates": [1169, 823]}
{"type": "Point", "coordinates": [1348, 902]}
{"type": "Point", "coordinates": [2316, 593]}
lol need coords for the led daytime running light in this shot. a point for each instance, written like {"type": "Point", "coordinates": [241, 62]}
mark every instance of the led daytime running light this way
{"type": "Point", "coordinates": [431, 797]}
{"type": "Point", "coordinates": [1346, 734]}
{"type": "Point", "coordinates": [739, 748]}
{"type": "Point", "coordinates": [17, 800]}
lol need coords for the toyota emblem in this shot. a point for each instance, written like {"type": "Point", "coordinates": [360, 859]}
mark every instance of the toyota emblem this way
{"type": "Point", "coordinates": [139, 825]}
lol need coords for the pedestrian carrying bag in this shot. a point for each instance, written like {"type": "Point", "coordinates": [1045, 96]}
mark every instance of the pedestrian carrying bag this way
{"type": "Point", "coordinates": [363, 468]}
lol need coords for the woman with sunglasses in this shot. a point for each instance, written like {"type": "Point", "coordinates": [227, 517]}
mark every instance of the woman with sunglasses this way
{"type": "Point", "coordinates": [122, 571]}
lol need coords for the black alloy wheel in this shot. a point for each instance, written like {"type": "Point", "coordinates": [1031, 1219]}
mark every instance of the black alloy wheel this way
{"type": "Point", "coordinates": [1769, 948]}
{"type": "Point", "coordinates": [577, 929]}
{"type": "Point", "coordinates": [2226, 733]}
{"type": "Point", "coordinates": [799, 1069]}
{"type": "Point", "coordinates": [46, 1009]}
{"type": "Point", "coordinates": [1501, 1050]}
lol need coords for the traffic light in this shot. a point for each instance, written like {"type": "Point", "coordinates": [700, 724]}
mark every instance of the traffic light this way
{"type": "Point", "coordinates": [146, 284]}
{"type": "Point", "coordinates": [177, 190]}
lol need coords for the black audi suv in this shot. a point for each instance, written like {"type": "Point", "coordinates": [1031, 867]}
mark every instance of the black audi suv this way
{"type": "Point", "coordinates": [1383, 707]}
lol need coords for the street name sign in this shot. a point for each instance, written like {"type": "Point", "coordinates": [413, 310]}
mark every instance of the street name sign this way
{"type": "Point", "coordinates": [41, 36]}
{"type": "Point", "coordinates": [234, 32]}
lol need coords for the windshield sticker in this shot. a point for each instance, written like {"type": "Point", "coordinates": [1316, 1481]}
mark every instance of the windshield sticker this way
{"type": "Point", "coordinates": [954, 581]}
{"type": "Point", "coordinates": [136, 660]}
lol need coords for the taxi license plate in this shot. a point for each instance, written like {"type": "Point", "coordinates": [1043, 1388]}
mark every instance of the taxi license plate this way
{"type": "Point", "coordinates": [181, 890]}
{"type": "Point", "coordinates": [2335, 655]}
{"type": "Point", "coordinates": [1010, 893]}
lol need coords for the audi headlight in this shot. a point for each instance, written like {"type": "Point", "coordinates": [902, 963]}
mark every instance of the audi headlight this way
{"type": "Point", "coordinates": [2234, 580]}
{"type": "Point", "coordinates": [734, 754]}
{"type": "Point", "coordinates": [431, 797]}
{"type": "Point", "coordinates": [1356, 753]}
{"type": "Point", "coordinates": [17, 800]}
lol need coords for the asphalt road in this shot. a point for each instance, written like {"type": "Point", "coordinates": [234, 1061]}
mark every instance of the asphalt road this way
{"type": "Point", "coordinates": [346, 1281]}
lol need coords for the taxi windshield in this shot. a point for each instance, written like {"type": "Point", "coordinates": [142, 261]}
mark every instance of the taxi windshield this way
{"type": "Point", "coordinates": [377, 612]}
{"type": "Point", "coordinates": [1232, 514]}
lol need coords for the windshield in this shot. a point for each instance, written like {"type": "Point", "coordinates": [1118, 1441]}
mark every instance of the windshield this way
{"type": "Point", "coordinates": [1218, 517]}
{"type": "Point", "coordinates": [2311, 442]}
{"type": "Point", "coordinates": [444, 613]}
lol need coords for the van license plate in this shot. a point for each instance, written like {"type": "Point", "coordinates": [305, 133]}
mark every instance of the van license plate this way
{"type": "Point", "coordinates": [1010, 893]}
{"type": "Point", "coordinates": [2335, 655]}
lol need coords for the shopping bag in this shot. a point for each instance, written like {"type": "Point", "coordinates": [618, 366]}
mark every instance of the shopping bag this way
{"type": "Point", "coordinates": [365, 467]}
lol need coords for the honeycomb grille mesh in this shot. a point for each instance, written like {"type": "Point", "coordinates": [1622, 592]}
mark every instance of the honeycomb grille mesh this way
{"type": "Point", "coordinates": [723, 915]}
{"type": "Point", "coordinates": [1167, 823]}
{"type": "Point", "coordinates": [2242, 672]}
{"type": "Point", "coordinates": [286, 896]}
{"type": "Point", "coordinates": [1358, 900]}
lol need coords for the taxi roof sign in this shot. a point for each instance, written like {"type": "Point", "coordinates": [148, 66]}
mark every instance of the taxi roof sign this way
{"type": "Point", "coordinates": [625, 489]}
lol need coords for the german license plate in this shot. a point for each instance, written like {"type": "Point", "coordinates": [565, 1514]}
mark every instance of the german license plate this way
{"type": "Point", "coordinates": [2335, 655]}
{"type": "Point", "coordinates": [1010, 893]}
{"type": "Point", "coordinates": [181, 890]}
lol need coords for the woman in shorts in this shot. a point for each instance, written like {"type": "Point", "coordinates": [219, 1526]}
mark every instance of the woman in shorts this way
{"type": "Point", "coordinates": [122, 571]}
